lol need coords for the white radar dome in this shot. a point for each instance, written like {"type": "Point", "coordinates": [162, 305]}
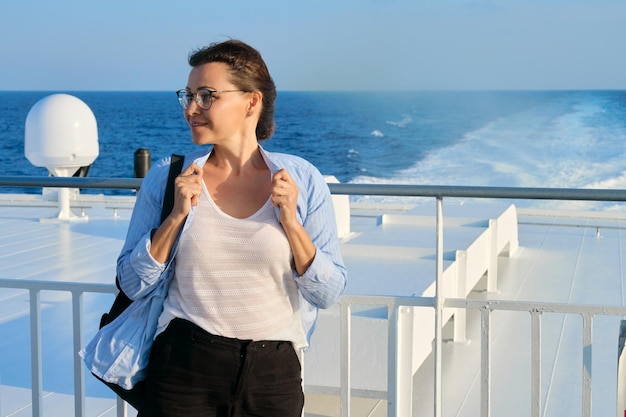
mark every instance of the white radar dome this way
{"type": "Point", "coordinates": [61, 134]}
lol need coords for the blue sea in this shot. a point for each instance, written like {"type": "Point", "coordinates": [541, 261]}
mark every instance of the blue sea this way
{"type": "Point", "coordinates": [518, 138]}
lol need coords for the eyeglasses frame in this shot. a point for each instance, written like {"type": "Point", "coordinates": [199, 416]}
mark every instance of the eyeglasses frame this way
{"type": "Point", "coordinates": [184, 103]}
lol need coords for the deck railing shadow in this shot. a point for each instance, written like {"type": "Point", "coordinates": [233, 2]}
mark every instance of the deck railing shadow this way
{"type": "Point", "coordinates": [398, 392]}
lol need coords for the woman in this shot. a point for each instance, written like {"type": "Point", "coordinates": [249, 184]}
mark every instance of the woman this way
{"type": "Point", "coordinates": [250, 248]}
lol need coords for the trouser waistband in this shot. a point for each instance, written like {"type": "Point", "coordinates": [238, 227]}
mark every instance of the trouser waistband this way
{"type": "Point", "coordinates": [200, 335]}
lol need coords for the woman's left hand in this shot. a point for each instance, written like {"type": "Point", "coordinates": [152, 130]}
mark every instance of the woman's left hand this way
{"type": "Point", "coordinates": [285, 196]}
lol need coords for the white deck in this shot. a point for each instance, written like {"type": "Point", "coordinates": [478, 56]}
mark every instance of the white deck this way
{"type": "Point", "coordinates": [562, 264]}
{"type": "Point", "coordinates": [556, 262]}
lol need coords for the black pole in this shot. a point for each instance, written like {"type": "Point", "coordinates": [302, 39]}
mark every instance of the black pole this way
{"type": "Point", "coordinates": [142, 162]}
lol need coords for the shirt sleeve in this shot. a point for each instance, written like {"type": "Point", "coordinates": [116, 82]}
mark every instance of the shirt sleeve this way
{"type": "Point", "coordinates": [137, 270]}
{"type": "Point", "coordinates": [325, 280]}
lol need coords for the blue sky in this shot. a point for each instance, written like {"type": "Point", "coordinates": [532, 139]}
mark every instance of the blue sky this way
{"type": "Point", "coordinates": [318, 45]}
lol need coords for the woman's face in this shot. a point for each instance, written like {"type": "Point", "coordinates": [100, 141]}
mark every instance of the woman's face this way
{"type": "Point", "coordinates": [225, 119]}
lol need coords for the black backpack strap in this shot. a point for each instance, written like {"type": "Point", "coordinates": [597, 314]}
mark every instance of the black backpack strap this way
{"type": "Point", "coordinates": [122, 301]}
{"type": "Point", "coordinates": [176, 167]}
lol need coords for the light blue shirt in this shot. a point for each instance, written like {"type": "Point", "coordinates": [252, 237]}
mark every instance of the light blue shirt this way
{"type": "Point", "coordinates": [119, 353]}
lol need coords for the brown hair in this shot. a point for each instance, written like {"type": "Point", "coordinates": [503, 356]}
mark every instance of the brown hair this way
{"type": "Point", "coordinates": [249, 73]}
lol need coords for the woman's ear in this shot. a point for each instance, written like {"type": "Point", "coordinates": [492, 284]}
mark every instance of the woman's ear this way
{"type": "Point", "coordinates": [256, 103]}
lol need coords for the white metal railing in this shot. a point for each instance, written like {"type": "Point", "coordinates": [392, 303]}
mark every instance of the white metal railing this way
{"type": "Point", "coordinates": [536, 310]}
{"type": "Point", "coordinates": [399, 393]}
{"type": "Point", "coordinates": [399, 382]}
{"type": "Point", "coordinates": [76, 289]}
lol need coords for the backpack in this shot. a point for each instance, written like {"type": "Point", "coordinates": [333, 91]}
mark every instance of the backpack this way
{"type": "Point", "coordinates": [121, 302]}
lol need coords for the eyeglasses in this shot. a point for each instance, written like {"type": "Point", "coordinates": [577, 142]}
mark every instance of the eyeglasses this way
{"type": "Point", "coordinates": [203, 97]}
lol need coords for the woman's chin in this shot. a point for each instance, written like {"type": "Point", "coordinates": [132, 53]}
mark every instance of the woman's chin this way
{"type": "Point", "coordinates": [200, 140]}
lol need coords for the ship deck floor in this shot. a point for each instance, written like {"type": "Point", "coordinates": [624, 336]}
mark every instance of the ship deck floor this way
{"type": "Point", "coordinates": [563, 257]}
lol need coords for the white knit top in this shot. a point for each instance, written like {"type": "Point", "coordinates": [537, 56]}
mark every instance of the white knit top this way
{"type": "Point", "coordinates": [234, 278]}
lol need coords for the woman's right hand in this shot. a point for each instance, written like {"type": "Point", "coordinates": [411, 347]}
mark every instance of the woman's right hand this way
{"type": "Point", "coordinates": [187, 189]}
{"type": "Point", "coordinates": [188, 186]}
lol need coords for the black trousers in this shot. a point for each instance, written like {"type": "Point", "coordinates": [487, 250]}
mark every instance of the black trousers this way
{"type": "Point", "coordinates": [194, 373]}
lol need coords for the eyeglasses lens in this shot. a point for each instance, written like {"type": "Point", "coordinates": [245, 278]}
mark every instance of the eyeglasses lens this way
{"type": "Point", "coordinates": [203, 98]}
{"type": "Point", "coordinates": [183, 98]}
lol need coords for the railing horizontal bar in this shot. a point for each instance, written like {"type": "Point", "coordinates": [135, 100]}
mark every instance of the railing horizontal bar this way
{"type": "Point", "coordinates": [27, 284]}
{"type": "Point", "coordinates": [71, 182]}
{"type": "Point", "coordinates": [535, 306]}
{"type": "Point", "coordinates": [357, 300]}
{"type": "Point", "coordinates": [399, 190]}
{"type": "Point", "coordinates": [479, 192]}
{"type": "Point", "coordinates": [390, 302]}
{"type": "Point", "coordinates": [577, 226]}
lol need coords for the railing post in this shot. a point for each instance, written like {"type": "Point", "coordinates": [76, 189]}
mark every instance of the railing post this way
{"type": "Point", "coordinates": [400, 361]}
{"type": "Point", "coordinates": [621, 370]}
{"type": "Point", "coordinates": [392, 360]}
{"type": "Point", "coordinates": [122, 407]}
{"type": "Point", "coordinates": [587, 341]}
{"type": "Point", "coordinates": [439, 298]}
{"type": "Point", "coordinates": [79, 372]}
{"type": "Point", "coordinates": [485, 362]}
{"type": "Point", "coordinates": [535, 367]}
{"type": "Point", "coordinates": [35, 351]}
{"type": "Point", "coordinates": [345, 358]}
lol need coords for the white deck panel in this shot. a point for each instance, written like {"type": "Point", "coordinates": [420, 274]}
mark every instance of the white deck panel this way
{"type": "Point", "coordinates": [555, 263]}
